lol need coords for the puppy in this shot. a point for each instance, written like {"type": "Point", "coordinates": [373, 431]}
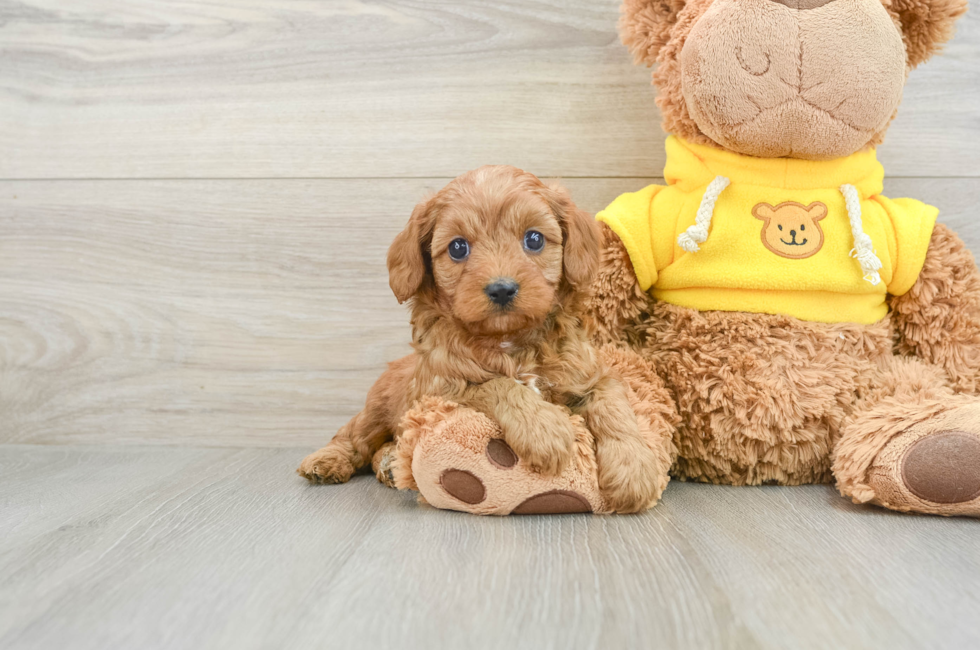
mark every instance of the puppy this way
{"type": "Point", "coordinates": [495, 265]}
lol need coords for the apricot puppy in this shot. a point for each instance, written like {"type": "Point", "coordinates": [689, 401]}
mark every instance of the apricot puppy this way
{"type": "Point", "coordinates": [495, 266]}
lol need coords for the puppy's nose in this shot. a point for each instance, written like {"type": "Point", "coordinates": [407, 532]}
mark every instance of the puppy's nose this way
{"type": "Point", "coordinates": [502, 291]}
{"type": "Point", "coordinates": [803, 5]}
{"type": "Point", "coordinates": [792, 233]}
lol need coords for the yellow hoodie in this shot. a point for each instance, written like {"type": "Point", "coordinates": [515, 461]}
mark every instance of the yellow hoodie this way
{"type": "Point", "coordinates": [814, 240]}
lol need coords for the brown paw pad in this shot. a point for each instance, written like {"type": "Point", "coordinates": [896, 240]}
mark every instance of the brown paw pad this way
{"type": "Point", "coordinates": [555, 502]}
{"type": "Point", "coordinates": [500, 454]}
{"type": "Point", "coordinates": [463, 485]}
{"type": "Point", "coordinates": [943, 467]}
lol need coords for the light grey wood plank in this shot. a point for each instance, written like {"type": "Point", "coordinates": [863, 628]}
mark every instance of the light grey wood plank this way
{"type": "Point", "coordinates": [256, 88]}
{"type": "Point", "coordinates": [221, 312]}
{"type": "Point", "coordinates": [179, 548]}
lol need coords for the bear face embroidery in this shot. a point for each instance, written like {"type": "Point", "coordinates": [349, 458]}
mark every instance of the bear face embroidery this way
{"type": "Point", "coordinates": [791, 229]}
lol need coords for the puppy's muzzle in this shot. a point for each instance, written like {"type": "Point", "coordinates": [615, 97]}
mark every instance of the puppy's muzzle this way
{"type": "Point", "coordinates": [502, 291]}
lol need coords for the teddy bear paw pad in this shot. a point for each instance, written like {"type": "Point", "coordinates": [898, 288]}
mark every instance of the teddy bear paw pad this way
{"type": "Point", "coordinates": [500, 454]}
{"type": "Point", "coordinates": [943, 467]}
{"type": "Point", "coordinates": [463, 485]}
{"type": "Point", "coordinates": [554, 502]}
{"type": "Point", "coordinates": [933, 466]}
{"type": "Point", "coordinates": [486, 476]}
{"type": "Point", "coordinates": [466, 487]}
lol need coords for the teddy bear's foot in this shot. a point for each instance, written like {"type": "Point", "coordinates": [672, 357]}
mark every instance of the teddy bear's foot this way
{"type": "Point", "coordinates": [457, 459]}
{"type": "Point", "coordinates": [932, 469]}
{"type": "Point", "coordinates": [933, 466]}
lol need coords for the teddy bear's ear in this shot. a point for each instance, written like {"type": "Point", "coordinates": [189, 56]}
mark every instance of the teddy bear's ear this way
{"type": "Point", "coordinates": [926, 25]}
{"type": "Point", "coordinates": [817, 211]}
{"type": "Point", "coordinates": [764, 211]}
{"type": "Point", "coordinates": [644, 26]}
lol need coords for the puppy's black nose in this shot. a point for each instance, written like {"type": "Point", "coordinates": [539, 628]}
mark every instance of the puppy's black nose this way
{"type": "Point", "coordinates": [501, 292]}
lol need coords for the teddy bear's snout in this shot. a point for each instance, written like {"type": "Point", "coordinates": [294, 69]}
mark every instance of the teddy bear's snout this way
{"type": "Point", "coordinates": [803, 5]}
{"type": "Point", "coordinates": [772, 82]}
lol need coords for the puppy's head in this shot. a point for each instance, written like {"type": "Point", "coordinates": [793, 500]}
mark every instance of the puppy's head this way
{"type": "Point", "coordinates": [496, 250]}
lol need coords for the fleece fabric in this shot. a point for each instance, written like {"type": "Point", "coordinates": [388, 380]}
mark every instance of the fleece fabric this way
{"type": "Point", "coordinates": [780, 239]}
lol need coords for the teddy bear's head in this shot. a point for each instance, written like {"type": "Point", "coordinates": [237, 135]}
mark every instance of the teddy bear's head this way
{"type": "Point", "coordinates": [811, 79]}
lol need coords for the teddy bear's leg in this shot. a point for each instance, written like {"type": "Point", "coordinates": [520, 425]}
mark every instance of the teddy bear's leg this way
{"type": "Point", "coordinates": [938, 320]}
{"type": "Point", "coordinates": [457, 459]}
{"type": "Point", "coordinates": [912, 444]}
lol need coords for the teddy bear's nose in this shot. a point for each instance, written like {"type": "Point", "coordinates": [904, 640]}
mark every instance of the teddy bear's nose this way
{"type": "Point", "coordinates": [803, 5]}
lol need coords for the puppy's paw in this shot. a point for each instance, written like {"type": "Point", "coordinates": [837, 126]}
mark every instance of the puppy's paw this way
{"type": "Point", "coordinates": [630, 475]}
{"type": "Point", "coordinates": [328, 465]}
{"type": "Point", "coordinates": [543, 441]}
{"type": "Point", "coordinates": [382, 464]}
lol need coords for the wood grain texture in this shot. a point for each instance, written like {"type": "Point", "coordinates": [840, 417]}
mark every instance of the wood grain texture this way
{"type": "Point", "coordinates": [299, 88]}
{"type": "Point", "coordinates": [216, 548]}
{"type": "Point", "coordinates": [222, 312]}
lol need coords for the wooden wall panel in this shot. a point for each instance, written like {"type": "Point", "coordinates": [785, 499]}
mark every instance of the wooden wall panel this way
{"type": "Point", "coordinates": [299, 88]}
{"type": "Point", "coordinates": [222, 312]}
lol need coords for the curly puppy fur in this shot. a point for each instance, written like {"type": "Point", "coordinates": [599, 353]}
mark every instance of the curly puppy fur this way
{"type": "Point", "coordinates": [528, 364]}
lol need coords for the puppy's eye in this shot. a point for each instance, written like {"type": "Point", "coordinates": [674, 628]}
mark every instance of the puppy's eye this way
{"type": "Point", "coordinates": [533, 241]}
{"type": "Point", "coordinates": [459, 249]}
{"type": "Point", "coordinates": [780, 227]}
{"type": "Point", "coordinates": [802, 227]}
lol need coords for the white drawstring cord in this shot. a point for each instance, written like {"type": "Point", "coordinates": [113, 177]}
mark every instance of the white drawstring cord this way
{"type": "Point", "coordinates": [863, 246]}
{"type": "Point", "coordinates": [698, 233]}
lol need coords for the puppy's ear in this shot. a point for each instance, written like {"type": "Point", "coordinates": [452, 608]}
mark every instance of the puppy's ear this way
{"type": "Point", "coordinates": [644, 26]}
{"type": "Point", "coordinates": [926, 25]}
{"type": "Point", "coordinates": [408, 256]}
{"type": "Point", "coordinates": [580, 248]}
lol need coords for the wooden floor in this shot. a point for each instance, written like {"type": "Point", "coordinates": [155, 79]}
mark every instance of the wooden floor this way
{"type": "Point", "coordinates": [175, 547]}
{"type": "Point", "coordinates": [195, 203]}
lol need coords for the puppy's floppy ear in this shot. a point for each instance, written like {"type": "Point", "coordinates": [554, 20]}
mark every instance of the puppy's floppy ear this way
{"type": "Point", "coordinates": [408, 256]}
{"type": "Point", "coordinates": [926, 25]}
{"type": "Point", "coordinates": [644, 26]}
{"type": "Point", "coordinates": [580, 248]}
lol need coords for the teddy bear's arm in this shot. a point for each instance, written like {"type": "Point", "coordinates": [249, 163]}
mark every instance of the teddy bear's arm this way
{"type": "Point", "coordinates": [938, 320]}
{"type": "Point", "coordinates": [616, 300]}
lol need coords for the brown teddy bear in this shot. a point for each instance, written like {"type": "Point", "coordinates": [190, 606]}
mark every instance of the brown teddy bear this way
{"type": "Point", "coordinates": [786, 322]}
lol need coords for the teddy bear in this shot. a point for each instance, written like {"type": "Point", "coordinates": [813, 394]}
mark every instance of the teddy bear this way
{"type": "Point", "coordinates": [779, 320]}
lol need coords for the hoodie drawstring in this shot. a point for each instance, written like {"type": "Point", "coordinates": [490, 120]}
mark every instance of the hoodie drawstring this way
{"type": "Point", "coordinates": [863, 246]}
{"type": "Point", "coordinates": [698, 233]}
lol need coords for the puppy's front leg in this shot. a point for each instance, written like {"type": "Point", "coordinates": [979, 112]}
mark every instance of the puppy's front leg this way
{"type": "Point", "coordinates": [338, 460]}
{"type": "Point", "coordinates": [360, 439]}
{"type": "Point", "coordinates": [630, 474]}
{"type": "Point", "coordinates": [539, 432]}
